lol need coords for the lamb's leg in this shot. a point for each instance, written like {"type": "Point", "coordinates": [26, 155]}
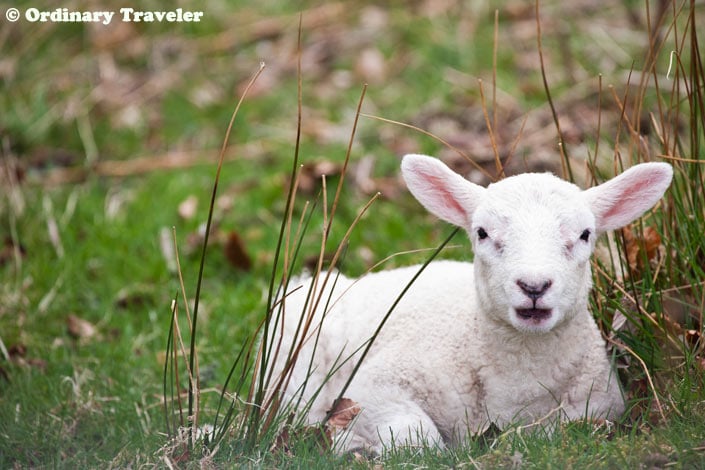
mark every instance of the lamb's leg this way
{"type": "Point", "coordinates": [384, 424]}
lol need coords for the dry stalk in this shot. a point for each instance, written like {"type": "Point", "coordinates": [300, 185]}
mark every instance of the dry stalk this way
{"type": "Point", "coordinates": [476, 165]}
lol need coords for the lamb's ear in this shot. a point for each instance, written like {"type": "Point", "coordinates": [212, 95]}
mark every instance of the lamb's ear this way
{"type": "Point", "coordinates": [443, 192]}
{"type": "Point", "coordinates": [627, 196]}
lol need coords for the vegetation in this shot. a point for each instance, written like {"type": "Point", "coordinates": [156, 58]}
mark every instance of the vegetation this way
{"type": "Point", "coordinates": [111, 134]}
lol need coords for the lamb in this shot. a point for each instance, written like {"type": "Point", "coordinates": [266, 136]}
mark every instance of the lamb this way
{"type": "Point", "coordinates": [505, 340]}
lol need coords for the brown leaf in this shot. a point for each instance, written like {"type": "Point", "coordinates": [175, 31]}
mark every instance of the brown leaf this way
{"type": "Point", "coordinates": [134, 296]}
{"type": "Point", "coordinates": [637, 245]}
{"type": "Point", "coordinates": [700, 363]}
{"type": "Point", "coordinates": [18, 350]}
{"type": "Point", "coordinates": [187, 207]}
{"type": "Point", "coordinates": [312, 435]}
{"type": "Point", "coordinates": [282, 443]}
{"type": "Point", "coordinates": [111, 37]}
{"type": "Point", "coordinates": [17, 354]}
{"type": "Point", "coordinates": [371, 66]}
{"type": "Point", "coordinates": [79, 328]}
{"type": "Point", "coordinates": [235, 252]}
{"type": "Point", "coordinates": [342, 413]}
{"type": "Point", "coordinates": [310, 177]}
{"type": "Point", "coordinates": [693, 337]}
{"type": "Point", "coordinates": [8, 249]}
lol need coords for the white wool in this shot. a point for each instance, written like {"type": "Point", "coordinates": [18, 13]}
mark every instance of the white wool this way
{"type": "Point", "coordinates": [508, 339]}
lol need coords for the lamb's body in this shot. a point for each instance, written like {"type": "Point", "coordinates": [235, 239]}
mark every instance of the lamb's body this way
{"type": "Point", "coordinates": [430, 366]}
{"type": "Point", "coordinates": [508, 339]}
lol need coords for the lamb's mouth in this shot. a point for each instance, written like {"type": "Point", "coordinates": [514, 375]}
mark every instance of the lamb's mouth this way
{"type": "Point", "coordinates": [536, 315]}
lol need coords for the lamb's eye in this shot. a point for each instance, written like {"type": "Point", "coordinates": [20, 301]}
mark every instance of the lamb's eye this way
{"type": "Point", "coordinates": [585, 236]}
{"type": "Point", "coordinates": [481, 234]}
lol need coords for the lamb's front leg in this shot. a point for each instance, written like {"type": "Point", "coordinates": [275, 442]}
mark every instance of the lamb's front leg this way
{"type": "Point", "coordinates": [387, 420]}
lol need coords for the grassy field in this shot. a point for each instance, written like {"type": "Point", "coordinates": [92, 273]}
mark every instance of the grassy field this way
{"type": "Point", "coordinates": [109, 141]}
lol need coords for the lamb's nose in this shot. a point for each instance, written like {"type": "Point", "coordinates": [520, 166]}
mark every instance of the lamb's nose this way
{"type": "Point", "coordinates": [534, 291]}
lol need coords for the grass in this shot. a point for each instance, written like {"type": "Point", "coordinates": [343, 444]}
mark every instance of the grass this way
{"type": "Point", "coordinates": [71, 101]}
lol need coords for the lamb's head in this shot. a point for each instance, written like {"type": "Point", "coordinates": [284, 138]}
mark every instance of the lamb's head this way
{"type": "Point", "coordinates": [533, 234]}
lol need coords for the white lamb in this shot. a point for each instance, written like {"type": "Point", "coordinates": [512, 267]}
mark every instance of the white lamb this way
{"type": "Point", "coordinates": [506, 340]}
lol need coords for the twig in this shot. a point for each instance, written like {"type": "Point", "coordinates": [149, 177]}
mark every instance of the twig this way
{"type": "Point", "coordinates": [132, 167]}
{"type": "Point", "coordinates": [493, 142]}
{"type": "Point", "coordinates": [207, 233]}
{"type": "Point", "coordinates": [565, 162]}
{"type": "Point", "coordinates": [433, 136]}
{"type": "Point", "coordinates": [646, 371]}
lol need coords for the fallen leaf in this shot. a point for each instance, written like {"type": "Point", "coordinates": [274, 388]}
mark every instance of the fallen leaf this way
{"type": "Point", "coordinates": [134, 296]}
{"type": "Point", "coordinates": [693, 338]}
{"type": "Point", "coordinates": [235, 252]}
{"type": "Point", "coordinates": [362, 175]}
{"type": "Point", "coordinates": [17, 350]}
{"type": "Point", "coordinates": [637, 245]}
{"type": "Point", "coordinates": [187, 207]}
{"type": "Point", "coordinates": [342, 413]}
{"type": "Point", "coordinates": [17, 354]}
{"type": "Point", "coordinates": [312, 435]}
{"type": "Point", "coordinates": [8, 250]}
{"type": "Point", "coordinates": [282, 443]}
{"type": "Point", "coordinates": [700, 362]}
{"type": "Point", "coordinates": [310, 177]}
{"type": "Point", "coordinates": [45, 158]}
{"type": "Point", "coordinates": [111, 37]}
{"type": "Point", "coordinates": [79, 328]}
{"type": "Point", "coordinates": [371, 66]}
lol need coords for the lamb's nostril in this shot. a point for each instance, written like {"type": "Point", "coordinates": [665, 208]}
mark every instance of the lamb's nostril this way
{"type": "Point", "coordinates": [534, 291]}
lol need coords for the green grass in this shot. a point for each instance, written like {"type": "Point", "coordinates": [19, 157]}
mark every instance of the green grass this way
{"type": "Point", "coordinates": [67, 102]}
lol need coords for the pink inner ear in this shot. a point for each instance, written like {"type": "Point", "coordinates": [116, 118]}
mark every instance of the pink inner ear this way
{"type": "Point", "coordinates": [621, 205]}
{"type": "Point", "coordinates": [626, 197]}
{"type": "Point", "coordinates": [449, 200]}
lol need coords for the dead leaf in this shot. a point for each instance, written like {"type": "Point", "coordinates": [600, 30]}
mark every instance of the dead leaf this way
{"type": "Point", "coordinates": [187, 207]}
{"type": "Point", "coordinates": [310, 177]}
{"type": "Point", "coordinates": [235, 252]}
{"type": "Point", "coordinates": [79, 328]}
{"type": "Point", "coordinates": [134, 296]}
{"type": "Point", "coordinates": [45, 158]}
{"type": "Point", "coordinates": [17, 354]}
{"type": "Point", "coordinates": [17, 351]}
{"type": "Point", "coordinates": [8, 250]}
{"type": "Point", "coordinates": [111, 37]}
{"type": "Point", "coordinates": [371, 66]}
{"type": "Point", "coordinates": [693, 338]}
{"type": "Point", "coordinates": [342, 413]}
{"type": "Point", "coordinates": [637, 245]}
{"type": "Point", "coordinates": [700, 362]}
{"type": "Point", "coordinates": [313, 435]}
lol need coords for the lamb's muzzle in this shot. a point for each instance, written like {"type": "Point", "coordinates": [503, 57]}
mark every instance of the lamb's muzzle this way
{"type": "Point", "coordinates": [535, 314]}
